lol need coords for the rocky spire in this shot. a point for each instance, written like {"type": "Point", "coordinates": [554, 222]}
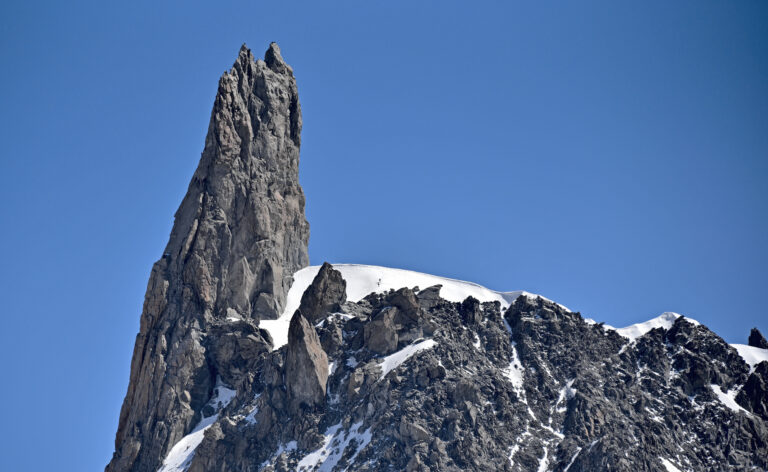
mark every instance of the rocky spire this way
{"type": "Point", "coordinates": [756, 339]}
{"type": "Point", "coordinates": [238, 235]}
{"type": "Point", "coordinates": [306, 366]}
{"type": "Point", "coordinates": [325, 295]}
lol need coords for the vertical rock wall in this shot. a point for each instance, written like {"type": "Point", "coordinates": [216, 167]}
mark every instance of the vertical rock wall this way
{"type": "Point", "coordinates": [238, 235]}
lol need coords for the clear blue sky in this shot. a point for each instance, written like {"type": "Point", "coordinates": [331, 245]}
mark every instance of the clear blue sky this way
{"type": "Point", "coordinates": [612, 156]}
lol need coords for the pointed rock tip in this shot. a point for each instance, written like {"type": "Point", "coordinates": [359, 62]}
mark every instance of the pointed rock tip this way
{"type": "Point", "coordinates": [275, 60]}
{"type": "Point", "coordinates": [244, 56]}
{"type": "Point", "coordinates": [756, 339]}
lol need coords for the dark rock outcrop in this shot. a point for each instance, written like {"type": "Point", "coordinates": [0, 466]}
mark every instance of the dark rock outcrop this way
{"type": "Point", "coordinates": [754, 395]}
{"type": "Point", "coordinates": [306, 366]}
{"type": "Point", "coordinates": [756, 339]}
{"type": "Point", "coordinates": [238, 236]}
{"type": "Point", "coordinates": [327, 294]}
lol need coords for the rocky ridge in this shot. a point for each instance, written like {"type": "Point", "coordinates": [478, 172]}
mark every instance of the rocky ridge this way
{"type": "Point", "coordinates": [476, 385]}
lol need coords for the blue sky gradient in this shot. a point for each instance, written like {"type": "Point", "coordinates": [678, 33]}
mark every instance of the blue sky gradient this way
{"type": "Point", "coordinates": [612, 156]}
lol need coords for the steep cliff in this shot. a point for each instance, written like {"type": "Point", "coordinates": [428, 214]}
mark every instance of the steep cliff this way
{"type": "Point", "coordinates": [238, 236]}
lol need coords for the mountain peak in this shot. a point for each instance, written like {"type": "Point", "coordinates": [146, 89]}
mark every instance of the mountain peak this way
{"type": "Point", "coordinates": [238, 236]}
{"type": "Point", "coordinates": [275, 60]}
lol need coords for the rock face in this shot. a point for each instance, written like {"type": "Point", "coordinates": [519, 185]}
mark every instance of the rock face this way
{"type": "Point", "coordinates": [239, 235]}
{"type": "Point", "coordinates": [306, 366]}
{"type": "Point", "coordinates": [327, 294]}
{"type": "Point", "coordinates": [756, 339]}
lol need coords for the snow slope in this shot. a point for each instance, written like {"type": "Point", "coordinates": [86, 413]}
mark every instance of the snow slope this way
{"type": "Point", "coordinates": [364, 279]}
{"type": "Point", "coordinates": [393, 361]}
{"type": "Point", "coordinates": [751, 355]}
{"type": "Point", "coordinates": [665, 320]}
{"type": "Point", "coordinates": [183, 451]}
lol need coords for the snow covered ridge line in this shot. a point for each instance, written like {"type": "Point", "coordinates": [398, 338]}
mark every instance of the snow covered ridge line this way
{"type": "Point", "coordinates": [665, 320]}
{"type": "Point", "coordinates": [751, 355]}
{"type": "Point", "coordinates": [364, 279]}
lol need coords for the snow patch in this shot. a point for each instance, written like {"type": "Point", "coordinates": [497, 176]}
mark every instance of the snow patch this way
{"type": "Point", "coordinates": [544, 461]}
{"type": "Point", "coordinates": [181, 454]}
{"type": "Point", "coordinates": [566, 393]}
{"type": "Point", "coordinates": [251, 416]}
{"type": "Point", "coordinates": [334, 445]}
{"type": "Point", "coordinates": [573, 459]}
{"type": "Point", "coordinates": [751, 355]}
{"type": "Point", "coordinates": [665, 320]}
{"type": "Point", "coordinates": [392, 361]}
{"type": "Point", "coordinates": [668, 465]}
{"type": "Point", "coordinates": [476, 342]}
{"type": "Point", "coordinates": [514, 372]}
{"type": "Point", "coordinates": [512, 451]}
{"type": "Point", "coordinates": [728, 398]}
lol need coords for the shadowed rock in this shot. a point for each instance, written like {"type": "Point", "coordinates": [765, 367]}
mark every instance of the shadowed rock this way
{"type": "Point", "coordinates": [756, 339]}
{"type": "Point", "coordinates": [754, 394]}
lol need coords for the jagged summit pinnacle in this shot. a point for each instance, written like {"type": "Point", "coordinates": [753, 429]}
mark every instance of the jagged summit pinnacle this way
{"type": "Point", "coordinates": [275, 60]}
{"type": "Point", "coordinates": [238, 236]}
{"type": "Point", "coordinates": [756, 339]}
{"type": "Point", "coordinates": [272, 58]}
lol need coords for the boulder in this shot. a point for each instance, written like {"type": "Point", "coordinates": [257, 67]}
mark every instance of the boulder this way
{"type": "Point", "coordinates": [408, 305]}
{"type": "Point", "coordinates": [380, 334]}
{"type": "Point", "coordinates": [429, 297]}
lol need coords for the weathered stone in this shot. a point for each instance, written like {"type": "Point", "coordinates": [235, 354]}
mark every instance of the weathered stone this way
{"type": "Point", "coordinates": [306, 366]}
{"type": "Point", "coordinates": [325, 295]}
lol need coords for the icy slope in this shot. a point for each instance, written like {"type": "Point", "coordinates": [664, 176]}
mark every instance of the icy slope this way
{"type": "Point", "coordinates": [751, 355]}
{"type": "Point", "coordinates": [665, 320]}
{"type": "Point", "coordinates": [364, 279]}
